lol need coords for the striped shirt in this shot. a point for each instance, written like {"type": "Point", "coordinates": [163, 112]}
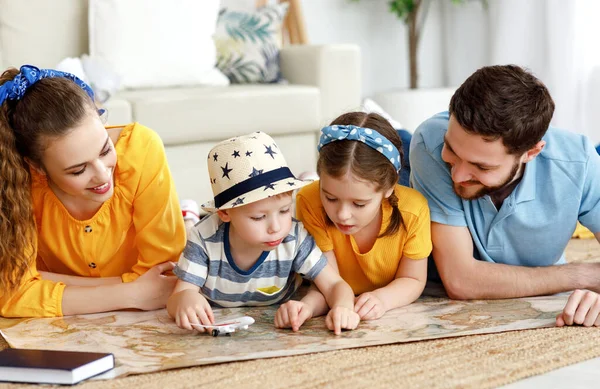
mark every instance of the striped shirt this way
{"type": "Point", "coordinates": [207, 262]}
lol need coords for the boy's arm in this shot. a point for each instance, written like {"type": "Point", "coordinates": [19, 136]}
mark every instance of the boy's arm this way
{"type": "Point", "coordinates": [314, 298]}
{"type": "Point", "coordinates": [187, 306]}
{"type": "Point", "coordinates": [293, 314]}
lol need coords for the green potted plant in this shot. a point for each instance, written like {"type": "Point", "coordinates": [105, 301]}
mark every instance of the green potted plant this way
{"type": "Point", "coordinates": [413, 13]}
{"type": "Point", "coordinates": [413, 105]}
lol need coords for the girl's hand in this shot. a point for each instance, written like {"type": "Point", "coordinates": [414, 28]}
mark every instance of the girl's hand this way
{"type": "Point", "coordinates": [292, 315]}
{"type": "Point", "coordinates": [152, 289]}
{"type": "Point", "coordinates": [368, 306]}
{"type": "Point", "coordinates": [340, 318]}
{"type": "Point", "coordinates": [583, 308]}
{"type": "Point", "coordinates": [190, 307]}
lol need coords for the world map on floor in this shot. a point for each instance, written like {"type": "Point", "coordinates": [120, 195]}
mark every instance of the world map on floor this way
{"type": "Point", "coordinates": [145, 342]}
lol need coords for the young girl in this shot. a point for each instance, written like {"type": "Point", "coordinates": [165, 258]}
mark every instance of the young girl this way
{"type": "Point", "coordinates": [376, 231]}
{"type": "Point", "coordinates": [96, 207]}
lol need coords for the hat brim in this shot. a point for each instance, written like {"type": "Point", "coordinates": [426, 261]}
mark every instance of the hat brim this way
{"type": "Point", "coordinates": [275, 188]}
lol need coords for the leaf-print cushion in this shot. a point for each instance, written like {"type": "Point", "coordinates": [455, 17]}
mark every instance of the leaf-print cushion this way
{"type": "Point", "coordinates": [248, 44]}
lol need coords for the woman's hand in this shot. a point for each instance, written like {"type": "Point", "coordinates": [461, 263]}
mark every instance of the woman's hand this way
{"type": "Point", "coordinates": [152, 289]}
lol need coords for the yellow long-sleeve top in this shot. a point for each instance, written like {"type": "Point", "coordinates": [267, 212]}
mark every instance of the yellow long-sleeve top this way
{"type": "Point", "coordinates": [365, 272]}
{"type": "Point", "coordinates": [138, 227]}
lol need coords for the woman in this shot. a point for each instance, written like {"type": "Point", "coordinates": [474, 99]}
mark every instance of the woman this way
{"type": "Point", "coordinates": [96, 207]}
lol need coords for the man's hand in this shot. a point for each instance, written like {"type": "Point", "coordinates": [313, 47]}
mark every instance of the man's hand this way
{"type": "Point", "coordinates": [368, 306]}
{"type": "Point", "coordinates": [292, 315]}
{"type": "Point", "coordinates": [189, 307]}
{"type": "Point", "coordinates": [152, 289]}
{"type": "Point", "coordinates": [583, 308]}
{"type": "Point", "coordinates": [340, 318]}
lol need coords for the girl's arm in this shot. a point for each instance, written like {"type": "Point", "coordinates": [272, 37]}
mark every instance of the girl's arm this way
{"type": "Point", "coordinates": [314, 298]}
{"type": "Point", "coordinates": [404, 289]}
{"type": "Point", "coordinates": [332, 291]}
{"type": "Point", "coordinates": [340, 299]}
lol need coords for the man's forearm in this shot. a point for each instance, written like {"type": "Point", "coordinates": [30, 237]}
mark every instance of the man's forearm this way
{"type": "Point", "coordinates": [485, 280]}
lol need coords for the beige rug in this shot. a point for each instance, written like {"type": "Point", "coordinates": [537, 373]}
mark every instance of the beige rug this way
{"type": "Point", "coordinates": [470, 361]}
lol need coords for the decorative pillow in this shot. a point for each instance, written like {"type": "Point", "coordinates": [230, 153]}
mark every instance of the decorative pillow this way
{"type": "Point", "coordinates": [154, 43]}
{"type": "Point", "coordinates": [248, 44]}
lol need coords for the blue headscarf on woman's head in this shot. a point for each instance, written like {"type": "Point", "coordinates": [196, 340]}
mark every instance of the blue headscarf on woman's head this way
{"type": "Point", "coordinates": [29, 75]}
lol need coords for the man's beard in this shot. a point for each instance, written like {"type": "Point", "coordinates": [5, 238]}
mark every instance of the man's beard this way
{"type": "Point", "coordinates": [488, 189]}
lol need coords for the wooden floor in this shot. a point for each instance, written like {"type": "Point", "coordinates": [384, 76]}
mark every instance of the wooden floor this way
{"type": "Point", "coordinates": [578, 376]}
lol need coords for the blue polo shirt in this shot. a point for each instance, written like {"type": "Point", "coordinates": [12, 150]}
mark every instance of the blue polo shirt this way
{"type": "Point", "coordinates": [532, 228]}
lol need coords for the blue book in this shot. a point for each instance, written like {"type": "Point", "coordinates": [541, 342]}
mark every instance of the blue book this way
{"type": "Point", "coordinates": [52, 367]}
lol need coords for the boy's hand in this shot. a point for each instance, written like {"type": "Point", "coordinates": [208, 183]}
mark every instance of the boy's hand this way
{"type": "Point", "coordinates": [340, 318]}
{"type": "Point", "coordinates": [293, 314]}
{"type": "Point", "coordinates": [583, 308]}
{"type": "Point", "coordinates": [190, 307]}
{"type": "Point", "coordinates": [368, 306]}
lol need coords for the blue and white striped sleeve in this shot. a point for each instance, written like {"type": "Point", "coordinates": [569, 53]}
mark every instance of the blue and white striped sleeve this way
{"type": "Point", "coordinates": [309, 259]}
{"type": "Point", "coordinates": [193, 262]}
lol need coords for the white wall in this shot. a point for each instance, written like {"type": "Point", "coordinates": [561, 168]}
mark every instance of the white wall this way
{"type": "Point", "coordinates": [381, 37]}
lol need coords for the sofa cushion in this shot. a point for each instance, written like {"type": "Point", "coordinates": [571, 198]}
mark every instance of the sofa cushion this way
{"type": "Point", "coordinates": [155, 43]}
{"type": "Point", "coordinates": [42, 32]}
{"type": "Point", "coordinates": [248, 44]}
{"type": "Point", "coordinates": [184, 115]}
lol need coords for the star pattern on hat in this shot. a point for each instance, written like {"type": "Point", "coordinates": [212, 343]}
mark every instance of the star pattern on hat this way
{"type": "Point", "coordinates": [215, 157]}
{"type": "Point", "coordinates": [239, 201]}
{"type": "Point", "coordinates": [270, 151]}
{"type": "Point", "coordinates": [291, 183]}
{"type": "Point", "coordinates": [269, 186]}
{"type": "Point", "coordinates": [249, 153]}
{"type": "Point", "coordinates": [235, 154]}
{"type": "Point", "coordinates": [226, 171]}
{"type": "Point", "coordinates": [255, 172]}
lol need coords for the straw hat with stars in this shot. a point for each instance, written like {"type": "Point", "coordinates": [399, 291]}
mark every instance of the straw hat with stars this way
{"type": "Point", "coordinates": [246, 169]}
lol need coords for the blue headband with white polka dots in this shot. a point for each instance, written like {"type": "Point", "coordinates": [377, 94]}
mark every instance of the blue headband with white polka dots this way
{"type": "Point", "coordinates": [367, 136]}
{"type": "Point", "coordinates": [29, 75]}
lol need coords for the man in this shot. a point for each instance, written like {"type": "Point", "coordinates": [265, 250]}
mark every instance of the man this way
{"type": "Point", "coordinates": [506, 192]}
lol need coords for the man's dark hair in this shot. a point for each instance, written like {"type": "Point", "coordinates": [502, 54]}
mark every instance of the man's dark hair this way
{"type": "Point", "coordinates": [504, 102]}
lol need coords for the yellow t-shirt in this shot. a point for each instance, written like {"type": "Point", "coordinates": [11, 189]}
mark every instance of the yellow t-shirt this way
{"type": "Point", "coordinates": [377, 267]}
{"type": "Point", "coordinates": [138, 227]}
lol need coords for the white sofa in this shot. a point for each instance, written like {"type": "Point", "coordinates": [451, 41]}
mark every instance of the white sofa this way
{"type": "Point", "coordinates": [324, 81]}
